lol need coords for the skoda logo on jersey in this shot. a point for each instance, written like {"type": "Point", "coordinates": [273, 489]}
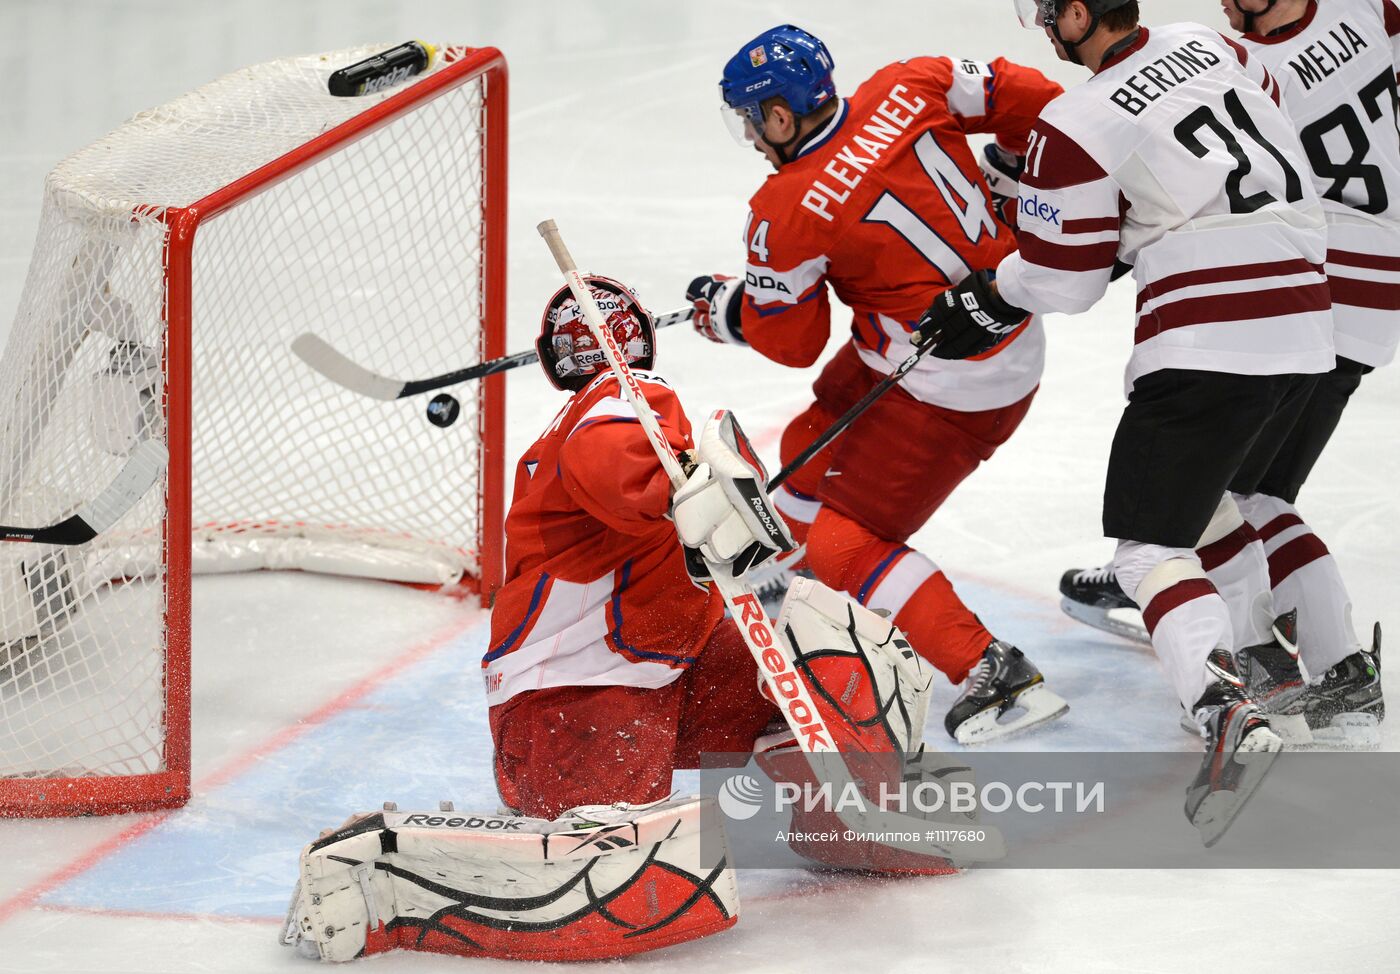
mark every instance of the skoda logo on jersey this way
{"type": "Point", "coordinates": [740, 797]}
{"type": "Point", "coordinates": [765, 282]}
{"type": "Point", "coordinates": [1032, 206]}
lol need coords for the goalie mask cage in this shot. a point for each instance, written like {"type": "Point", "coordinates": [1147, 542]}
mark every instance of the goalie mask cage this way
{"type": "Point", "coordinates": [176, 260]}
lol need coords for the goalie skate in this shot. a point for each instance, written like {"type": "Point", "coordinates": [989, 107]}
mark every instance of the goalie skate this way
{"type": "Point", "coordinates": [1004, 694]}
{"type": "Point", "coordinates": [1093, 596]}
{"type": "Point", "coordinates": [599, 882]}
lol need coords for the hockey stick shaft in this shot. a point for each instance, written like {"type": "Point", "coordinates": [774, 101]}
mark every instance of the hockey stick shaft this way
{"type": "Point", "coordinates": [137, 476]}
{"type": "Point", "coordinates": [786, 687]}
{"type": "Point", "coordinates": [849, 417]}
{"type": "Point", "coordinates": [340, 369]}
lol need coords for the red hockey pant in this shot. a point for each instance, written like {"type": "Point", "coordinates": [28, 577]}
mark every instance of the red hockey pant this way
{"type": "Point", "coordinates": [562, 747]}
{"type": "Point", "coordinates": [877, 484]}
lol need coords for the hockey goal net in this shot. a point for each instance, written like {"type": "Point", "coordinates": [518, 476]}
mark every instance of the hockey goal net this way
{"type": "Point", "coordinates": [176, 260]}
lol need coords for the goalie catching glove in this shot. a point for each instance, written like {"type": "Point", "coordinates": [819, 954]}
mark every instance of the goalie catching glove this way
{"type": "Point", "coordinates": [723, 510]}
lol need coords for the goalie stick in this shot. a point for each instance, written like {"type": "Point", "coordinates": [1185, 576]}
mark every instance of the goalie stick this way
{"type": "Point", "coordinates": [325, 359]}
{"type": "Point", "coordinates": [140, 472]}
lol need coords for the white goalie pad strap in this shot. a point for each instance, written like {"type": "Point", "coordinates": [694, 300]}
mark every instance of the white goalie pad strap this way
{"type": "Point", "coordinates": [819, 624]}
{"type": "Point", "coordinates": [724, 509]}
{"type": "Point", "coordinates": [599, 882]}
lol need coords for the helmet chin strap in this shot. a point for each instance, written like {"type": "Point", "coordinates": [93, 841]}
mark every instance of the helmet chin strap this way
{"type": "Point", "coordinates": [1072, 47]}
{"type": "Point", "coordinates": [1250, 16]}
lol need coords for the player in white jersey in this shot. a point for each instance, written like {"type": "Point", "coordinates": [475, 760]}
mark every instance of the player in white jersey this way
{"type": "Point", "coordinates": [1335, 62]}
{"type": "Point", "coordinates": [1175, 159]}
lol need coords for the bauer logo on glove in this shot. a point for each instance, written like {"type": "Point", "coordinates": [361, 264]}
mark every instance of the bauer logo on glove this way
{"type": "Point", "coordinates": [723, 510]}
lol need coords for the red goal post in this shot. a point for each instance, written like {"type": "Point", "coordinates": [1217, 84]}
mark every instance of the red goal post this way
{"type": "Point", "coordinates": [176, 259]}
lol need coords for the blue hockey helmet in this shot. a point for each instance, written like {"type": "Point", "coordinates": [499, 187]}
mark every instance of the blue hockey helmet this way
{"type": "Point", "coordinates": [784, 61]}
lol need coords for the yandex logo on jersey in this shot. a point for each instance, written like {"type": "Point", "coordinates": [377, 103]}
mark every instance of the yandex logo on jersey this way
{"type": "Point", "coordinates": [887, 123]}
{"type": "Point", "coordinates": [1036, 209]}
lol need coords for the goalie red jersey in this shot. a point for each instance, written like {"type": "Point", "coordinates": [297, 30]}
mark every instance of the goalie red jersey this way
{"type": "Point", "coordinates": [596, 592]}
{"type": "Point", "coordinates": [887, 205]}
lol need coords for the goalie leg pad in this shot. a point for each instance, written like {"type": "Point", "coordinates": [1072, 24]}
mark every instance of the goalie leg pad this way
{"type": "Point", "coordinates": [600, 882]}
{"type": "Point", "coordinates": [865, 678]}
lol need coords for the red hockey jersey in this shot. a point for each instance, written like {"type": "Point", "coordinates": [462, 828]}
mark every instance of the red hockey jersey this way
{"type": "Point", "coordinates": [596, 591]}
{"type": "Point", "coordinates": [887, 205]}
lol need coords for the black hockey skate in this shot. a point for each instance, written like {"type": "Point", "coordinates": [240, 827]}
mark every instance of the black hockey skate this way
{"type": "Point", "coordinates": [1093, 596]}
{"type": "Point", "coordinates": [1274, 679]}
{"type": "Point", "coordinates": [1240, 749]}
{"type": "Point", "coordinates": [1003, 682]}
{"type": "Point", "coordinates": [1345, 708]}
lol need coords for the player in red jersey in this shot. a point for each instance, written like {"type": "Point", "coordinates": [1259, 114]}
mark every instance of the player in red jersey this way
{"type": "Point", "coordinates": [879, 196]}
{"type": "Point", "coordinates": [603, 655]}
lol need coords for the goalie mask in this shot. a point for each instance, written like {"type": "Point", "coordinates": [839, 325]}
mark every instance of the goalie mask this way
{"type": "Point", "coordinates": [569, 353]}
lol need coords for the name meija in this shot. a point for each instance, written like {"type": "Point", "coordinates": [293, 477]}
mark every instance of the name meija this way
{"type": "Point", "coordinates": [1148, 84]}
{"type": "Point", "coordinates": [1311, 67]}
{"type": "Point", "coordinates": [856, 157]}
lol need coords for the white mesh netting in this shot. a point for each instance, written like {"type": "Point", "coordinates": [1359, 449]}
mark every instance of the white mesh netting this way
{"type": "Point", "coordinates": [376, 247]}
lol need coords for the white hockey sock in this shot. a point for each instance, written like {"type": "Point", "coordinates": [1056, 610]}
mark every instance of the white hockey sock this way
{"type": "Point", "coordinates": [1185, 615]}
{"type": "Point", "coordinates": [1233, 559]}
{"type": "Point", "coordinates": [798, 509]}
{"type": "Point", "coordinates": [1305, 577]}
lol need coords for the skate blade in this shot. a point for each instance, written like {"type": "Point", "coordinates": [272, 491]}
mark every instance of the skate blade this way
{"type": "Point", "coordinates": [1218, 810]}
{"type": "Point", "coordinates": [1351, 732]}
{"type": "Point", "coordinates": [1123, 623]}
{"type": "Point", "coordinates": [1292, 729]}
{"type": "Point", "coordinates": [1033, 706]}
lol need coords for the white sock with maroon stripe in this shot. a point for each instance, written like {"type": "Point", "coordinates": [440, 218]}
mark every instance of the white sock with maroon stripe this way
{"type": "Point", "coordinates": [1185, 616]}
{"type": "Point", "coordinates": [1233, 559]}
{"type": "Point", "coordinates": [1306, 577]}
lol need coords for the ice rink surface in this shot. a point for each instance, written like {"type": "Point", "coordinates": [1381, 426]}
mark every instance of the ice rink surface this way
{"type": "Point", "coordinates": [315, 697]}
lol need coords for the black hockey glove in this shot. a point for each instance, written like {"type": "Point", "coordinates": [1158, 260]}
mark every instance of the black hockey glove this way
{"type": "Point", "coordinates": [967, 320]}
{"type": "Point", "coordinates": [1002, 171]}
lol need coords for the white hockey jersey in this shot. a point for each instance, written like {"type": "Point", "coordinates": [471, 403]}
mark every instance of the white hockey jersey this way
{"type": "Point", "coordinates": [1176, 159]}
{"type": "Point", "coordinates": [1336, 68]}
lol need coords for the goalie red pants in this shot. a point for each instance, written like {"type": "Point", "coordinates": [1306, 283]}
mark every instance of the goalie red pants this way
{"type": "Point", "coordinates": [561, 747]}
{"type": "Point", "coordinates": [858, 501]}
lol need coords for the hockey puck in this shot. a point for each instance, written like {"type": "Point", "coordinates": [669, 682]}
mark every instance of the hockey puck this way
{"type": "Point", "coordinates": [443, 410]}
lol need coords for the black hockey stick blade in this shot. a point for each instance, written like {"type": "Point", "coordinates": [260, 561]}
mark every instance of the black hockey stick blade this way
{"type": "Point", "coordinates": [325, 359]}
{"type": "Point", "coordinates": [849, 417]}
{"type": "Point", "coordinates": [137, 476]}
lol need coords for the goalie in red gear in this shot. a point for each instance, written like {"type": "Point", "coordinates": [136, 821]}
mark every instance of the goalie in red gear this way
{"type": "Point", "coordinates": [607, 668]}
{"type": "Point", "coordinates": [879, 196]}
